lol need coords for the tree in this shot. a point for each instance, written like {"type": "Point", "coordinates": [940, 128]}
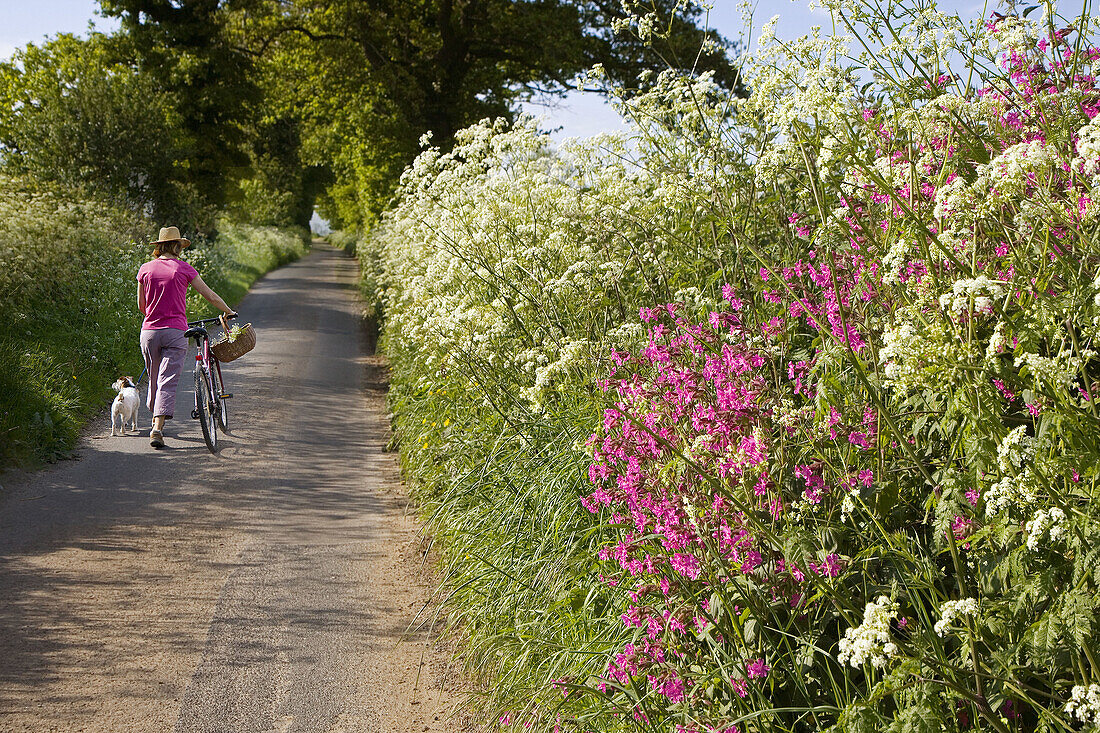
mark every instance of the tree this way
{"type": "Point", "coordinates": [387, 71]}
{"type": "Point", "coordinates": [448, 63]}
{"type": "Point", "coordinates": [71, 112]}
{"type": "Point", "coordinates": [350, 86]}
{"type": "Point", "coordinates": [185, 47]}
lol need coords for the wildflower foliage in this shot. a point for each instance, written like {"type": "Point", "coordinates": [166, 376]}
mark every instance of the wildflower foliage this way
{"type": "Point", "coordinates": [819, 365]}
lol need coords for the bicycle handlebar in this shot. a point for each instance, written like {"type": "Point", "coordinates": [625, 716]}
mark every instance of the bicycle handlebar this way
{"type": "Point", "coordinates": [203, 322]}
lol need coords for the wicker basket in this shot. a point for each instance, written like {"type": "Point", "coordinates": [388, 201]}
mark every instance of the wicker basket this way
{"type": "Point", "coordinates": [224, 350]}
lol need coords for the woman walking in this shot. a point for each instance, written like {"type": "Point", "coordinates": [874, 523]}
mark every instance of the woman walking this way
{"type": "Point", "coordinates": [162, 299]}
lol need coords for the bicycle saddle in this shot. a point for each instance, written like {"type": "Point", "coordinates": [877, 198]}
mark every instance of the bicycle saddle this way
{"type": "Point", "coordinates": [196, 331]}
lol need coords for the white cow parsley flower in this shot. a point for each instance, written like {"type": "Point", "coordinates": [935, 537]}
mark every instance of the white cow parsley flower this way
{"type": "Point", "coordinates": [1060, 369]}
{"type": "Point", "coordinates": [1016, 448]}
{"type": "Point", "coordinates": [980, 290]}
{"type": "Point", "coordinates": [1084, 704]}
{"type": "Point", "coordinates": [1010, 491]}
{"type": "Point", "coordinates": [951, 610]}
{"type": "Point", "coordinates": [1040, 523]}
{"type": "Point", "coordinates": [870, 641]}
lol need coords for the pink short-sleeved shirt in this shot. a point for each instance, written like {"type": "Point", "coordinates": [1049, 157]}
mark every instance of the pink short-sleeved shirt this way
{"type": "Point", "coordinates": [164, 283]}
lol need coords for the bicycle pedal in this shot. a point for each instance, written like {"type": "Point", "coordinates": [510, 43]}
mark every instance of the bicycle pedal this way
{"type": "Point", "coordinates": [227, 395]}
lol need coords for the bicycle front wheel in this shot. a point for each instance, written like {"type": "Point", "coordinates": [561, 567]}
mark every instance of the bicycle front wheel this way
{"type": "Point", "coordinates": [221, 409]}
{"type": "Point", "coordinates": [204, 409]}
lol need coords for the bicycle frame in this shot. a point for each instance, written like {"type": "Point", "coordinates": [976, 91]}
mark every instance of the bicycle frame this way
{"type": "Point", "coordinates": [203, 354]}
{"type": "Point", "coordinates": [208, 360]}
{"type": "Point", "coordinates": [210, 394]}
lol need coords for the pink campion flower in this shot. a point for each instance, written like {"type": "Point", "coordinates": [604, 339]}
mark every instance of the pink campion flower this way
{"type": "Point", "coordinates": [972, 497]}
{"type": "Point", "coordinates": [633, 616]}
{"type": "Point", "coordinates": [673, 688]}
{"type": "Point", "coordinates": [740, 687]}
{"type": "Point", "coordinates": [961, 527]}
{"type": "Point", "coordinates": [686, 564]}
{"type": "Point", "coordinates": [674, 623]}
{"type": "Point", "coordinates": [760, 488]}
{"type": "Point", "coordinates": [830, 568]}
{"type": "Point", "coordinates": [832, 421]}
{"type": "Point", "coordinates": [859, 438]}
{"type": "Point", "coordinates": [506, 719]}
{"type": "Point", "coordinates": [772, 327]}
{"type": "Point", "coordinates": [1083, 205]}
{"type": "Point", "coordinates": [757, 669]}
{"type": "Point", "coordinates": [653, 627]}
{"type": "Point", "coordinates": [1000, 385]}
{"type": "Point", "coordinates": [815, 484]}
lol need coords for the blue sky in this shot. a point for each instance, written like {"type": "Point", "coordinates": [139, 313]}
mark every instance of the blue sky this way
{"type": "Point", "coordinates": [24, 21]}
{"type": "Point", "coordinates": [29, 21]}
{"type": "Point", "coordinates": [582, 115]}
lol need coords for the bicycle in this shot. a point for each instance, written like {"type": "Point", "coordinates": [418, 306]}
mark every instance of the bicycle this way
{"type": "Point", "coordinates": [210, 395]}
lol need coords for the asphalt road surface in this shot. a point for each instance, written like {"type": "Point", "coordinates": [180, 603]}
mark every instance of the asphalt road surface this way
{"type": "Point", "coordinates": [269, 588]}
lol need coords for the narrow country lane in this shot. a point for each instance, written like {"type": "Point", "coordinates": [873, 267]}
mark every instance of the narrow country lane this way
{"type": "Point", "coordinates": [266, 589]}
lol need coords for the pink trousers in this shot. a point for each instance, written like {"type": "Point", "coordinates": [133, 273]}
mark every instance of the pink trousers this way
{"type": "Point", "coordinates": [164, 350]}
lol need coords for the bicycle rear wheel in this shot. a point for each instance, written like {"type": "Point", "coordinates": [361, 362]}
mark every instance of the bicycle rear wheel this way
{"type": "Point", "coordinates": [221, 409]}
{"type": "Point", "coordinates": [204, 409]}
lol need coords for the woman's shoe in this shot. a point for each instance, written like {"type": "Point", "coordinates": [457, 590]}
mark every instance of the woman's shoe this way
{"type": "Point", "coordinates": [156, 439]}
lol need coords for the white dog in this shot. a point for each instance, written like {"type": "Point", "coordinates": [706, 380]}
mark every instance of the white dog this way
{"type": "Point", "coordinates": [125, 406]}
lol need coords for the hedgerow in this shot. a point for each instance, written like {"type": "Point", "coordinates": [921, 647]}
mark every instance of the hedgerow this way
{"type": "Point", "coordinates": [777, 413]}
{"type": "Point", "coordinates": [68, 301]}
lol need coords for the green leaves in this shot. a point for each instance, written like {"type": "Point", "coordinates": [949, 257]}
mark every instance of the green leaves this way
{"type": "Point", "coordinates": [78, 115]}
{"type": "Point", "coordinates": [1076, 616]}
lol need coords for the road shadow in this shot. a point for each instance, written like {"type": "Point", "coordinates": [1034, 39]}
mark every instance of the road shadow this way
{"type": "Point", "coordinates": [303, 474]}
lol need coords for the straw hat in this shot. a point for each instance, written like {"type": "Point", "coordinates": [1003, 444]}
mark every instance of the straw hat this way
{"type": "Point", "coordinates": [171, 234]}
